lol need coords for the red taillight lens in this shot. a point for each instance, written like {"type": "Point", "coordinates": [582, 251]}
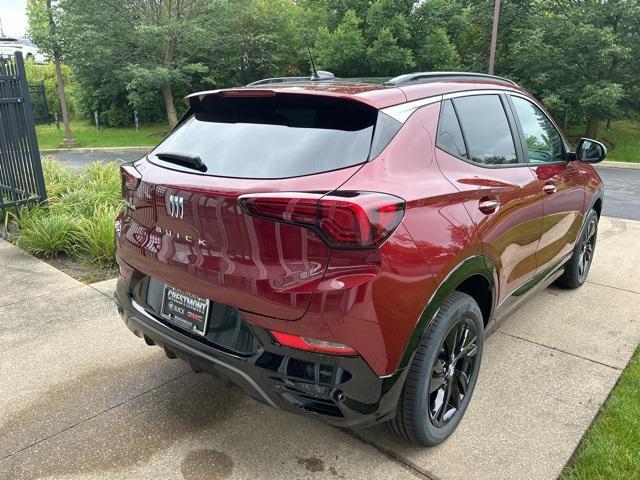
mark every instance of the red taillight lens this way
{"type": "Point", "coordinates": [343, 219]}
{"type": "Point", "coordinates": [312, 345]}
{"type": "Point", "coordinates": [130, 178]}
{"type": "Point", "coordinates": [301, 209]}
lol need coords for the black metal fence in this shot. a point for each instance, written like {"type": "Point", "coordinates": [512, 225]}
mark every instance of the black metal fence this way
{"type": "Point", "coordinates": [38, 97]}
{"type": "Point", "coordinates": [21, 178]}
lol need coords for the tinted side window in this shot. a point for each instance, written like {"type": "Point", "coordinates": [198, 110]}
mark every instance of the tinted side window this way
{"type": "Point", "coordinates": [486, 129]}
{"type": "Point", "coordinates": [544, 143]}
{"type": "Point", "coordinates": [449, 136]}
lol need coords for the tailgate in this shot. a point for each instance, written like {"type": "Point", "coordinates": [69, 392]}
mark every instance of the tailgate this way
{"type": "Point", "coordinates": [184, 226]}
{"type": "Point", "coordinates": [207, 245]}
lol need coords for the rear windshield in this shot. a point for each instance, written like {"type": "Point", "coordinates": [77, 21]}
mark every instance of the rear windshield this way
{"type": "Point", "coordinates": [276, 136]}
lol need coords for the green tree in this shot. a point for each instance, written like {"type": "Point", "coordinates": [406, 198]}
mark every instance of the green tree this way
{"type": "Point", "coordinates": [389, 14]}
{"type": "Point", "coordinates": [44, 30]}
{"type": "Point", "coordinates": [259, 39]}
{"type": "Point", "coordinates": [146, 46]}
{"type": "Point", "coordinates": [343, 50]}
{"type": "Point", "coordinates": [46, 74]}
{"type": "Point", "coordinates": [387, 56]}
{"type": "Point", "coordinates": [451, 15]}
{"type": "Point", "coordinates": [438, 52]}
{"type": "Point", "coordinates": [578, 56]}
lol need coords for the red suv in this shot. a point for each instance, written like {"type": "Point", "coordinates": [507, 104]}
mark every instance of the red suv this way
{"type": "Point", "coordinates": [341, 250]}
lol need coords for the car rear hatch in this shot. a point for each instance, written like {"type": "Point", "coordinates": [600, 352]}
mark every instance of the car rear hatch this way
{"type": "Point", "coordinates": [184, 224]}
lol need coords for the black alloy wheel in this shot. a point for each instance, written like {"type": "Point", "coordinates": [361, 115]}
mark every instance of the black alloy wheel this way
{"type": "Point", "coordinates": [577, 268]}
{"type": "Point", "coordinates": [587, 248]}
{"type": "Point", "coordinates": [451, 372]}
{"type": "Point", "coordinates": [443, 373]}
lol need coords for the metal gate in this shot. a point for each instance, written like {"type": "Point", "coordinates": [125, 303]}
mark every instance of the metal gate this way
{"type": "Point", "coordinates": [38, 97]}
{"type": "Point", "coordinates": [21, 178]}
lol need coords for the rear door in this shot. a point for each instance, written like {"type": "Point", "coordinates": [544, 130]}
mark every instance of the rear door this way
{"type": "Point", "coordinates": [183, 225]}
{"type": "Point", "coordinates": [562, 183]}
{"type": "Point", "coordinates": [502, 196]}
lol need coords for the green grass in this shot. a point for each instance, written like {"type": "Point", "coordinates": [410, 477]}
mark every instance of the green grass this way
{"type": "Point", "coordinates": [78, 220]}
{"type": "Point", "coordinates": [622, 139]}
{"type": "Point", "coordinates": [611, 447]}
{"type": "Point", "coordinates": [86, 135]}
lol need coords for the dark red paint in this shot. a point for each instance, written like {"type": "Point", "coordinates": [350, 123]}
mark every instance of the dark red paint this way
{"type": "Point", "coordinates": [286, 278]}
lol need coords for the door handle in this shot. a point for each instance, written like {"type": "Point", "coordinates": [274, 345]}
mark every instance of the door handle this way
{"type": "Point", "coordinates": [550, 188]}
{"type": "Point", "coordinates": [488, 205]}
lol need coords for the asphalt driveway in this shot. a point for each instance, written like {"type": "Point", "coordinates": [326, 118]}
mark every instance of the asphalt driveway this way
{"type": "Point", "coordinates": [622, 184]}
{"type": "Point", "coordinates": [622, 192]}
{"type": "Point", "coordinates": [82, 398]}
{"type": "Point", "coordinates": [78, 158]}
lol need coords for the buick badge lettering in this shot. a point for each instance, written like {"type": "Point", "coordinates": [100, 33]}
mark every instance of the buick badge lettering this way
{"type": "Point", "coordinates": [187, 238]}
{"type": "Point", "coordinates": [176, 206]}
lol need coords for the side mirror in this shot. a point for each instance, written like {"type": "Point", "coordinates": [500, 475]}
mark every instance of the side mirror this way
{"type": "Point", "coordinates": [591, 151]}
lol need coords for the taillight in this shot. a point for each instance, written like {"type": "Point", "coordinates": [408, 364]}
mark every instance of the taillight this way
{"type": "Point", "coordinates": [343, 219]}
{"type": "Point", "coordinates": [130, 178]}
{"type": "Point", "coordinates": [312, 345]}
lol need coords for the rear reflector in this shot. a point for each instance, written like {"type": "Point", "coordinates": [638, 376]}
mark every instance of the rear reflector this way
{"type": "Point", "coordinates": [312, 345]}
{"type": "Point", "coordinates": [343, 219]}
{"type": "Point", "coordinates": [124, 270]}
{"type": "Point", "coordinates": [130, 177]}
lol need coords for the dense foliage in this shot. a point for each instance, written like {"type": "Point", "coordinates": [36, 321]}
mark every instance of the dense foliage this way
{"type": "Point", "coordinates": [77, 221]}
{"type": "Point", "coordinates": [579, 56]}
{"type": "Point", "coordinates": [45, 74]}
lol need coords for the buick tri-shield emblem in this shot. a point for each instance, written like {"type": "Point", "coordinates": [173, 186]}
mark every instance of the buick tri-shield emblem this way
{"type": "Point", "coordinates": [176, 206]}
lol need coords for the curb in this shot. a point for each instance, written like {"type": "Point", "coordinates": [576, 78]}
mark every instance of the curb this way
{"type": "Point", "coordinates": [619, 164]}
{"type": "Point", "coordinates": [47, 151]}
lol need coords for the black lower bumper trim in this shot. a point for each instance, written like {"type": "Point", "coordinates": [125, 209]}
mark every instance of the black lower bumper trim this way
{"type": "Point", "coordinates": [134, 323]}
{"type": "Point", "coordinates": [342, 391]}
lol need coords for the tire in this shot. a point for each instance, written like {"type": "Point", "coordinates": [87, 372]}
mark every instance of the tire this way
{"type": "Point", "coordinates": [577, 268]}
{"type": "Point", "coordinates": [417, 418]}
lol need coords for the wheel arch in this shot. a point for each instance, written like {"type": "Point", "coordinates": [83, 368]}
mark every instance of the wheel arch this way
{"type": "Point", "coordinates": [597, 206]}
{"type": "Point", "coordinates": [474, 276]}
{"type": "Point", "coordinates": [596, 202]}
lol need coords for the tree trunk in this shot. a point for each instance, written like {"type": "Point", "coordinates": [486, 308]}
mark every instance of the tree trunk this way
{"type": "Point", "coordinates": [68, 139]}
{"type": "Point", "coordinates": [494, 35]}
{"type": "Point", "coordinates": [172, 117]}
{"type": "Point", "coordinates": [592, 127]}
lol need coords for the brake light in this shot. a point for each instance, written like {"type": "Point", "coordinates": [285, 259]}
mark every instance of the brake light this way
{"type": "Point", "coordinates": [247, 93]}
{"type": "Point", "coordinates": [130, 178]}
{"type": "Point", "coordinates": [343, 219]}
{"type": "Point", "coordinates": [312, 345]}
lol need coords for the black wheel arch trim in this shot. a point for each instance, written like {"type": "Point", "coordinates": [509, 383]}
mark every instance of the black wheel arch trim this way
{"type": "Point", "coordinates": [473, 265]}
{"type": "Point", "coordinates": [597, 195]}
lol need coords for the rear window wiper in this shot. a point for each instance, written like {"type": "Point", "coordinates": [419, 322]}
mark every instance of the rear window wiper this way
{"type": "Point", "coordinates": [188, 161]}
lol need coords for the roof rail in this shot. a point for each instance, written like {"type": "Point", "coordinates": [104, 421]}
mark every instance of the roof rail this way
{"type": "Point", "coordinates": [319, 76]}
{"type": "Point", "coordinates": [426, 77]}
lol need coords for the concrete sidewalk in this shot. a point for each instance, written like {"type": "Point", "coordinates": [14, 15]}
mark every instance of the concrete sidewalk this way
{"type": "Point", "coordinates": [83, 398]}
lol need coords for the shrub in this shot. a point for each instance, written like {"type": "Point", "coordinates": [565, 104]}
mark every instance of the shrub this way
{"type": "Point", "coordinates": [95, 236]}
{"type": "Point", "coordinates": [45, 233]}
{"type": "Point", "coordinates": [78, 218]}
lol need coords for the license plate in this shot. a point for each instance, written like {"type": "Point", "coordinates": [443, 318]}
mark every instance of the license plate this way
{"type": "Point", "coordinates": [185, 310]}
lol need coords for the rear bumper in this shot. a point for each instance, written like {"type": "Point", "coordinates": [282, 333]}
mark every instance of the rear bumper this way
{"type": "Point", "coordinates": [342, 391]}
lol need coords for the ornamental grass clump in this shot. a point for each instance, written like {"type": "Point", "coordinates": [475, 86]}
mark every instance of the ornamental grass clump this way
{"type": "Point", "coordinates": [77, 220]}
